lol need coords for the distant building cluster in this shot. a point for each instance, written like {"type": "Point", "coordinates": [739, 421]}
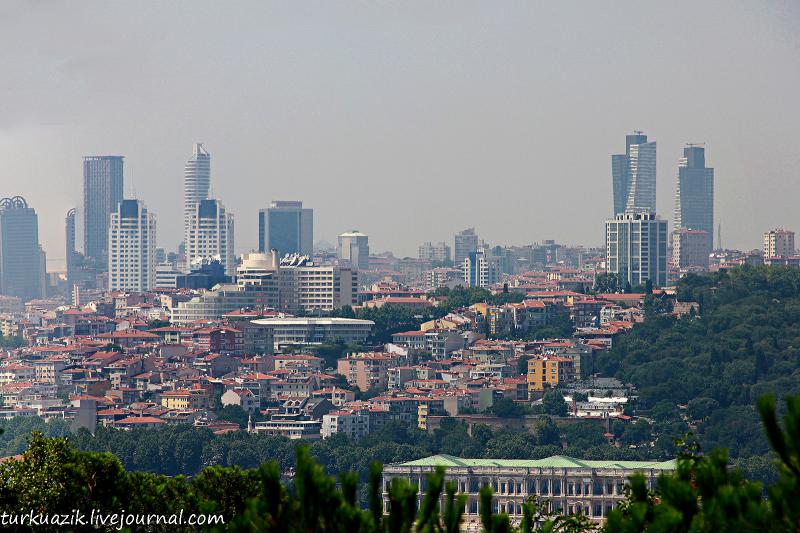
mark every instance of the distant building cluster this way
{"type": "Point", "coordinates": [133, 335]}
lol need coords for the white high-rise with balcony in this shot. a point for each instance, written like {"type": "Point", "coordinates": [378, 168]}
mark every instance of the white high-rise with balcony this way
{"type": "Point", "coordinates": [196, 181]}
{"type": "Point", "coordinates": [636, 248]}
{"type": "Point", "coordinates": [132, 248]}
{"type": "Point", "coordinates": [210, 235]}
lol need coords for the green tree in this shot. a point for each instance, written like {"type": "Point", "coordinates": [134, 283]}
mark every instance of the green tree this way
{"type": "Point", "coordinates": [553, 403]}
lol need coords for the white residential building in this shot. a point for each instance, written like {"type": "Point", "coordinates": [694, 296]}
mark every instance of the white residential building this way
{"type": "Point", "coordinates": [435, 252]}
{"type": "Point", "coordinates": [210, 235]}
{"type": "Point", "coordinates": [481, 270]}
{"type": "Point", "coordinates": [167, 276]}
{"type": "Point", "coordinates": [636, 248]}
{"type": "Point", "coordinates": [132, 248]}
{"type": "Point", "coordinates": [779, 243]}
{"type": "Point", "coordinates": [353, 423]}
{"type": "Point", "coordinates": [354, 247]}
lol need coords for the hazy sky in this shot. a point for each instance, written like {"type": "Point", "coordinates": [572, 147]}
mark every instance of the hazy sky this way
{"type": "Point", "coordinates": [408, 121]}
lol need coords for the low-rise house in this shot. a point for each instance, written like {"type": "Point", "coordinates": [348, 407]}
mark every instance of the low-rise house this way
{"type": "Point", "coordinates": [353, 422]}
{"type": "Point", "coordinates": [241, 397]}
{"type": "Point", "coordinates": [143, 422]}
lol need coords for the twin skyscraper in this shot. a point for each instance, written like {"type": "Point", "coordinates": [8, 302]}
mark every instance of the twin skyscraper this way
{"type": "Point", "coordinates": [634, 184]}
{"type": "Point", "coordinates": [636, 239]}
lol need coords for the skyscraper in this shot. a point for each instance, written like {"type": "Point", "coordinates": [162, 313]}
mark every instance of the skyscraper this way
{"type": "Point", "coordinates": [694, 196]}
{"type": "Point", "coordinates": [71, 252]}
{"type": "Point", "coordinates": [196, 181]}
{"type": "Point", "coordinates": [21, 266]}
{"type": "Point", "coordinates": [210, 235]}
{"type": "Point", "coordinates": [354, 247]}
{"type": "Point", "coordinates": [466, 241]}
{"type": "Point", "coordinates": [102, 193]}
{"type": "Point", "coordinates": [287, 227]}
{"type": "Point", "coordinates": [636, 248]}
{"type": "Point", "coordinates": [634, 175]}
{"type": "Point", "coordinates": [132, 248]}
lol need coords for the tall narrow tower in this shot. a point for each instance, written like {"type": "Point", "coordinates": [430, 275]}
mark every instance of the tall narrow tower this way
{"type": "Point", "coordinates": [102, 193]}
{"type": "Point", "coordinates": [694, 195]}
{"type": "Point", "coordinates": [196, 181]}
{"type": "Point", "coordinates": [132, 248]}
{"type": "Point", "coordinates": [71, 253]}
{"type": "Point", "coordinates": [21, 265]}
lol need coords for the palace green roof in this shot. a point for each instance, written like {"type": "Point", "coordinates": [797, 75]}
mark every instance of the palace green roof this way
{"type": "Point", "coordinates": [555, 461]}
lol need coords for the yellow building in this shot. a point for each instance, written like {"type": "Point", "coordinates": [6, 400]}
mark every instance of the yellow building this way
{"type": "Point", "coordinates": [183, 399]}
{"type": "Point", "coordinates": [549, 371]}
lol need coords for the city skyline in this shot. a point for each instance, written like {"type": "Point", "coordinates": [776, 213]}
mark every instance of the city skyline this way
{"type": "Point", "coordinates": [466, 129]}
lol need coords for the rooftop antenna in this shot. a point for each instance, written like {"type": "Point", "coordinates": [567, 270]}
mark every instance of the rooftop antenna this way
{"type": "Point", "coordinates": [131, 187]}
{"type": "Point", "coordinates": [638, 132]}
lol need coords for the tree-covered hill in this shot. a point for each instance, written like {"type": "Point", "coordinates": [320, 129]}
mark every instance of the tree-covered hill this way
{"type": "Point", "coordinates": [744, 342]}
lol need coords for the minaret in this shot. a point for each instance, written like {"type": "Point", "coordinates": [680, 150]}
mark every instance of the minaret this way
{"type": "Point", "coordinates": [250, 423]}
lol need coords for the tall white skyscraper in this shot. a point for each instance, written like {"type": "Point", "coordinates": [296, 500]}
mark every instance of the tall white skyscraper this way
{"type": "Point", "coordinates": [132, 248]}
{"type": "Point", "coordinates": [196, 181]}
{"type": "Point", "coordinates": [636, 248]}
{"type": "Point", "coordinates": [210, 235]}
{"type": "Point", "coordinates": [634, 176]}
{"type": "Point", "coordinates": [354, 247]}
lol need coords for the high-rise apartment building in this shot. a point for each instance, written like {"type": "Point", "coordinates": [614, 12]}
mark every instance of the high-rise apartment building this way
{"type": "Point", "coordinates": [779, 243]}
{"type": "Point", "coordinates": [439, 252]}
{"type": "Point", "coordinates": [102, 193]}
{"type": "Point", "coordinates": [196, 182]}
{"type": "Point", "coordinates": [481, 270]}
{"type": "Point", "coordinates": [354, 247]}
{"type": "Point", "coordinates": [305, 287]}
{"type": "Point", "coordinates": [287, 227]}
{"type": "Point", "coordinates": [132, 248]}
{"type": "Point", "coordinates": [694, 196]}
{"type": "Point", "coordinates": [636, 248]}
{"type": "Point", "coordinates": [690, 248]}
{"type": "Point", "coordinates": [210, 235]}
{"type": "Point", "coordinates": [21, 258]}
{"type": "Point", "coordinates": [466, 242]}
{"type": "Point", "coordinates": [634, 175]}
